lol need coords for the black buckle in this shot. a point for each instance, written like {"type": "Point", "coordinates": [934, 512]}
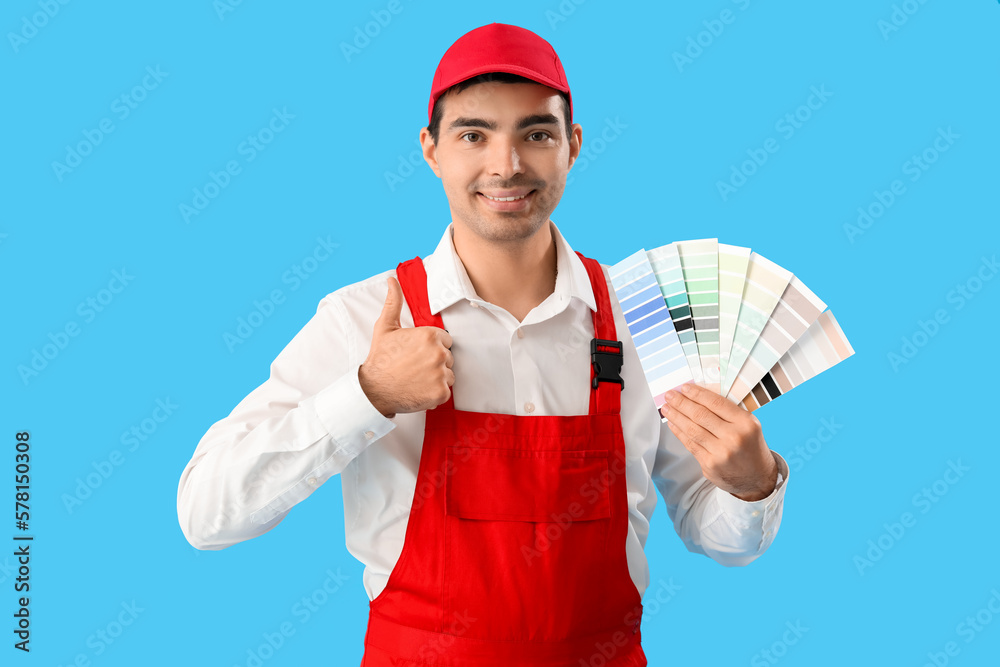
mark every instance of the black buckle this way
{"type": "Point", "coordinates": [607, 358]}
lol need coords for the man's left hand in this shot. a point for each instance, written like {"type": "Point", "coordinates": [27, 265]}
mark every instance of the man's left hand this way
{"type": "Point", "coordinates": [725, 439]}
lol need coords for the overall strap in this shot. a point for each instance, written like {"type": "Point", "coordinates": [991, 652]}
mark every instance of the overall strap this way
{"type": "Point", "coordinates": [606, 350]}
{"type": "Point", "coordinates": [412, 279]}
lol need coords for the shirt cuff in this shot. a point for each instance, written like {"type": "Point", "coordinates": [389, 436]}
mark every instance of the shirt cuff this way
{"type": "Point", "coordinates": [348, 415]}
{"type": "Point", "coordinates": [756, 514]}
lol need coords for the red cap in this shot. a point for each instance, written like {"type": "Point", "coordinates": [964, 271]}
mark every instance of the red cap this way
{"type": "Point", "coordinates": [499, 47]}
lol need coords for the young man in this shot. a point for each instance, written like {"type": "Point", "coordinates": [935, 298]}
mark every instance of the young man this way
{"type": "Point", "coordinates": [498, 485]}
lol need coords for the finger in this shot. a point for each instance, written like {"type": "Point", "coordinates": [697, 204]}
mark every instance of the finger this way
{"type": "Point", "coordinates": [449, 360]}
{"type": "Point", "coordinates": [688, 426]}
{"type": "Point", "coordinates": [388, 320]}
{"type": "Point", "coordinates": [698, 413]}
{"type": "Point", "coordinates": [735, 420]}
{"type": "Point", "coordinates": [689, 444]}
{"type": "Point", "coordinates": [720, 405]}
{"type": "Point", "coordinates": [444, 337]}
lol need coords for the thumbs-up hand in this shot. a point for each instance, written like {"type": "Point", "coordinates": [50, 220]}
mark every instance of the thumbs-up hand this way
{"type": "Point", "coordinates": [407, 370]}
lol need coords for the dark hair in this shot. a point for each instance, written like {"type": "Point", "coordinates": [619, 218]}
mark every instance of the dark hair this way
{"type": "Point", "coordinates": [490, 77]}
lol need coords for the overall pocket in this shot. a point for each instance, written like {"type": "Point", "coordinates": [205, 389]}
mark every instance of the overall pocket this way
{"type": "Point", "coordinates": [537, 486]}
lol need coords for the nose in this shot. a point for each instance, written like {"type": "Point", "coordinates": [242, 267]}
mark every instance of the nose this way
{"type": "Point", "coordinates": [503, 159]}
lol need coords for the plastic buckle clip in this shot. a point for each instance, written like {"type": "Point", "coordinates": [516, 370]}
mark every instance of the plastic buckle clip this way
{"type": "Point", "coordinates": [607, 358]}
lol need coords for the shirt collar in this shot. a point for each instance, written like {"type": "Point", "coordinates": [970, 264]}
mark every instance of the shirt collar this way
{"type": "Point", "coordinates": [448, 281]}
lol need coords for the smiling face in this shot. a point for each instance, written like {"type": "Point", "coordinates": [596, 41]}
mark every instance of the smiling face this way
{"type": "Point", "coordinates": [501, 141]}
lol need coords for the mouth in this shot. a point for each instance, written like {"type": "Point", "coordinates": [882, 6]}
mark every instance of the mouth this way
{"type": "Point", "coordinates": [508, 203]}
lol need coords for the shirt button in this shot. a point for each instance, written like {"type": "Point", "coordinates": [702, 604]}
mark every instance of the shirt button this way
{"type": "Point", "coordinates": [312, 481]}
{"type": "Point", "coordinates": [474, 304]}
{"type": "Point", "coordinates": [520, 334]}
{"type": "Point", "coordinates": [755, 513]}
{"type": "Point", "coordinates": [529, 407]}
{"type": "Point", "coordinates": [369, 434]}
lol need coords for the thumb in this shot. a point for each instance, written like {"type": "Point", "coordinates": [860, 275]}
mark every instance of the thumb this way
{"type": "Point", "coordinates": [389, 319]}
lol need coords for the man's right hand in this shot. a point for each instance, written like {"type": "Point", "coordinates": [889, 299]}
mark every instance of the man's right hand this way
{"type": "Point", "coordinates": [407, 370]}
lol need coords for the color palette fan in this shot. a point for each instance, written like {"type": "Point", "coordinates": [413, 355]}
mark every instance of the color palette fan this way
{"type": "Point", "coordinates": [726, 318]}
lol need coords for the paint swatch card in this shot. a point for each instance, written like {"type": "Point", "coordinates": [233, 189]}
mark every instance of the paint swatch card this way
{"type": "Point", "coordinates": [765, 283]}
{"type": "Point", "coordinates": [796, 310]}
{"type": "Point", "coordinates": [650, 325]}
{"type": "Point", "coordinates": [666, 265]}
{"type": "Point", "coordinates": [733, 264]}
{"type": "Point", "coordinates": [823, 346]}
{"type": "Point", "coordinates": [700, 266]}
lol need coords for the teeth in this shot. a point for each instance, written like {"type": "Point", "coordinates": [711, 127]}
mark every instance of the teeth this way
{"type": "Point", "coordinates": [505, 198]}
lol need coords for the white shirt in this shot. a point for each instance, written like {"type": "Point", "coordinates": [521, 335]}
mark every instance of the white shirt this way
{"type": "Point", "coordinates": [310, 420]}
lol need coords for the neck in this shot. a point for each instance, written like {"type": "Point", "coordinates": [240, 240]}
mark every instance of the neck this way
{"type": "Point", "coordinates": [516, 276]}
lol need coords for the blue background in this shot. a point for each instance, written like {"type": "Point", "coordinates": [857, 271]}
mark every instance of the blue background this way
{"type": "Point", "coordinates": [357, 119]}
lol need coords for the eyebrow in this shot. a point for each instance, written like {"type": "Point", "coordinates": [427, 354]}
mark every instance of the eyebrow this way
{"type": "Point", "coordinates": [526, 121]}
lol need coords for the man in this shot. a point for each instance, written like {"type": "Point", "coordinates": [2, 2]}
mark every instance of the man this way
{"type": "Point", "coordinates": [496, 473]}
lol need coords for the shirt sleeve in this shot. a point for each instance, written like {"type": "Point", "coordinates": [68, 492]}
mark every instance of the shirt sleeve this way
{"type": "Point", "coordinates": [305, 423]}
{"type": "Point", "coordinates": [709, 520]}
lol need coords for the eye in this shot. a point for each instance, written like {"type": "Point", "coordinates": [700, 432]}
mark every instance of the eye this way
{"type": "Point", "coordinates": [474, 134]}
{"type": "Point", "coordinates": [542, 132]}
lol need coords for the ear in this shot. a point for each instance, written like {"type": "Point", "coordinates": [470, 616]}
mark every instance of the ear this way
{"type": "Point", "coordinates": [430, 150]}
{"type": "Point", "coordinates": [575, 143]}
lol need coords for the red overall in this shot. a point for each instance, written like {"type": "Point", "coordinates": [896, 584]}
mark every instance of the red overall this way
{"type": "Point", "coordinates": [514, 553]}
